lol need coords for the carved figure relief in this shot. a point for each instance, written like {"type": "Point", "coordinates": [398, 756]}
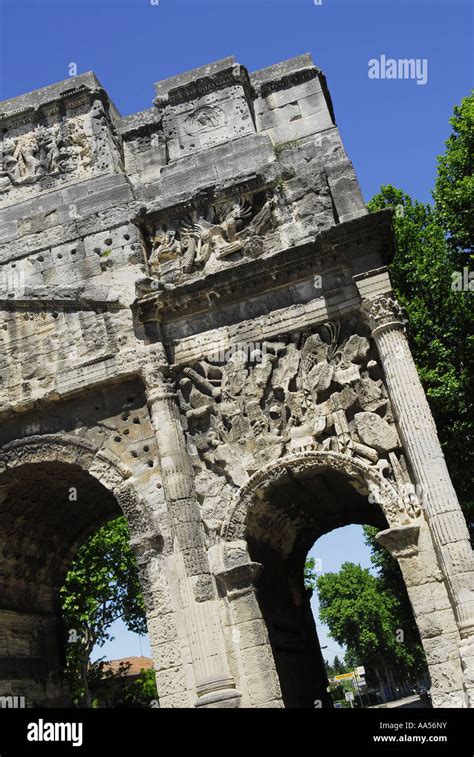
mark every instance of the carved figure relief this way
{"type": "Point", "coordinates": [47, 152]}
{"type": "Point", "coordinates": [203, 119]}
{"type": "Point", "coordinates": [209, 234]}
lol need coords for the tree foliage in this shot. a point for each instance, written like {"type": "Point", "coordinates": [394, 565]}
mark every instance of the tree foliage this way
{"type": "Point", "coordinates": [310, 574]}
{"type": "Point", "coordinates": [454, 188]}
{"type": "Point", "coordinates": [115, 689]}
{"type": "Point", "coordinates": [101, 586]}
{"type": "Point", "coordinates": [366, 618]}
{"type": "Point", "coordinates": [390, 581]}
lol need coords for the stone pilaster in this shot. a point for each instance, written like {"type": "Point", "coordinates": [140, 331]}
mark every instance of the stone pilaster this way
{"type": "Point", "coordinates": [412, 546]}
{"type": "Point", "coordinates": [214, 684]}
{"type": "Point", "coordinates": [250, 636]}
{"type": "Point", "coordinates": [420, 440]}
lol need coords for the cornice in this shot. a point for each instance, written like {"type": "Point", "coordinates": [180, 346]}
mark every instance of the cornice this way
{"type": "Point", "coordinates": [331, 250]}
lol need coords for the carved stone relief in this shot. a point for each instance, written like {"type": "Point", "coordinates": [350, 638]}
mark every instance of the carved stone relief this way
{"type": "Point", "coordinates": [381, 311]}
{"type": "Point", "coordinates": [204, 118]}
{"type": "Point", "coordinates": [306, 392]}
{"type": "Point", "coordinates": [205, 236]}
{"type": "Point", "coordinates": [45, 152]}
{"type": "Point", "coordinates": [45, 155]}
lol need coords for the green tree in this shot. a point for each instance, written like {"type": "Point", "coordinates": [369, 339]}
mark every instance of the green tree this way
{"type": "Point", "coordinates": [310, 573]}
{"type": "Point", "coordinates": [391, 582]}
{"type": "Point", "coordinates": [366, 619]}
{"type": "Point", "coordinates": [454, 188]}
{"type": "Point", "coordinates": [338, 666]}
{"type": "Point", "coordinates": [101, 586]}
{"type": "Point", "coordinates": [114, 689]}
{"type": "Point", "coordinates": [144, 688]}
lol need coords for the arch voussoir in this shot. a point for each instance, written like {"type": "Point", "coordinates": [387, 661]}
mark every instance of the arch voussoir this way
{"type": "Point", "coordinates": [102, 464]}
{"type": "Point", "coordinates": [363, 477]}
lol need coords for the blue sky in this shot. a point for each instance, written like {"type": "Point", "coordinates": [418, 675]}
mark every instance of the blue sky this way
{"type": "Point", "coordinates": [392, 129]}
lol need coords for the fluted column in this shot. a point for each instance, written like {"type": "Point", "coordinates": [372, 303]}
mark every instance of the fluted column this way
{"type": "Point", "coordinates": [419, 436]}
{"type": "Point", "coordinates": [214, 683]}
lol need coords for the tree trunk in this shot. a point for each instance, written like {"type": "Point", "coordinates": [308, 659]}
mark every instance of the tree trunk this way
{"type": "Point", "coordinates": [393, 684]}
{"type": "Point", "coordinates": [86, 697]}
{"type": "Point", "coordinates": [381, 686]}
{"type": "Point", "coordinates": [389, 685]}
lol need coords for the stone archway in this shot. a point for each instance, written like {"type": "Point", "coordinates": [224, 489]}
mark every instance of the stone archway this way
{"type": "Point", "coordinates": [54, 492]}
{"type": "Point", "coordinates": [101, 464]}
{"type": "Point", "coordinates": [273, 522]}
{"type": "Point", "coordinates": [363, 477]}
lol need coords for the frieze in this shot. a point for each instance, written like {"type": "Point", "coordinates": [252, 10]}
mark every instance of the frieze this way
{"type": "Point", "coordinates": [206, 235]}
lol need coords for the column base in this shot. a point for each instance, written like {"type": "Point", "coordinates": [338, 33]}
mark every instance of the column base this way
{"type": "Point", "coordinates": [217, 692]}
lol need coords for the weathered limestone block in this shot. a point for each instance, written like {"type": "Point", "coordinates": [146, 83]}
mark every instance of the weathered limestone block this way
{"type": "Point", "coordinates": [376, 432]}
{"type": "Point", "coordinates": [438, 649]}
{"type": "Point", "coordinates": [446, 677]}
{"type": "Point", "coordinates": [166, 655]}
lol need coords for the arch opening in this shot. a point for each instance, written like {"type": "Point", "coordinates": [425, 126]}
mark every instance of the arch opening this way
{"type": "Point", "coordinates": [47, 511]}
{"type": "Point", "coordinates": [280, 514]}
{"type": "Point", "coordinates": [281, 527]}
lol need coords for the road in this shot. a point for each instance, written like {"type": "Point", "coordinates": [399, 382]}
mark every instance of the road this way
{"type": "Point", "coordinates": [405, 703]}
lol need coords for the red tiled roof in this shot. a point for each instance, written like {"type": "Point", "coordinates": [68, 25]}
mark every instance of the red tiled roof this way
{"type": "Point", "coordinates": [136, 664]}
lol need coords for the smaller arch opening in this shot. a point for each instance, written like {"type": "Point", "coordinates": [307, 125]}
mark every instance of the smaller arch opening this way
{"type": "Point", "coordinates": [108, 655]}
{"type": "Point", "coordinates": [364, 621]}
{"type": "Point", "coordinates": [48, 510]}
{"type": "Point", "coordinates": [282, 525]}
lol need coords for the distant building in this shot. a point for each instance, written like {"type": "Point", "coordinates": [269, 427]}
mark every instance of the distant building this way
{"type": "Point", "coordinates": [128, 667]}
{"type": "Point", "coordinates": [118, 677]}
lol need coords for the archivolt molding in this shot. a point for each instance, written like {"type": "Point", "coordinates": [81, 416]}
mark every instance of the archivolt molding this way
{"type": "Point", "coordinates": [366, 479]}
{"type": "Point", "coordinates": [101, 464]}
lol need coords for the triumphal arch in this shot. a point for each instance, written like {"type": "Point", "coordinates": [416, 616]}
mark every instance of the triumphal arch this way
{"type": "Point", "coordinates": [198, 330]}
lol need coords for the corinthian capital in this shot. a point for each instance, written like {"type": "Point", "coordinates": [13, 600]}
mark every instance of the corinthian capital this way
{"type": "Point", "coordinates": [155, 369]}
{"type": "Point", "coordinates": [383, 311]}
